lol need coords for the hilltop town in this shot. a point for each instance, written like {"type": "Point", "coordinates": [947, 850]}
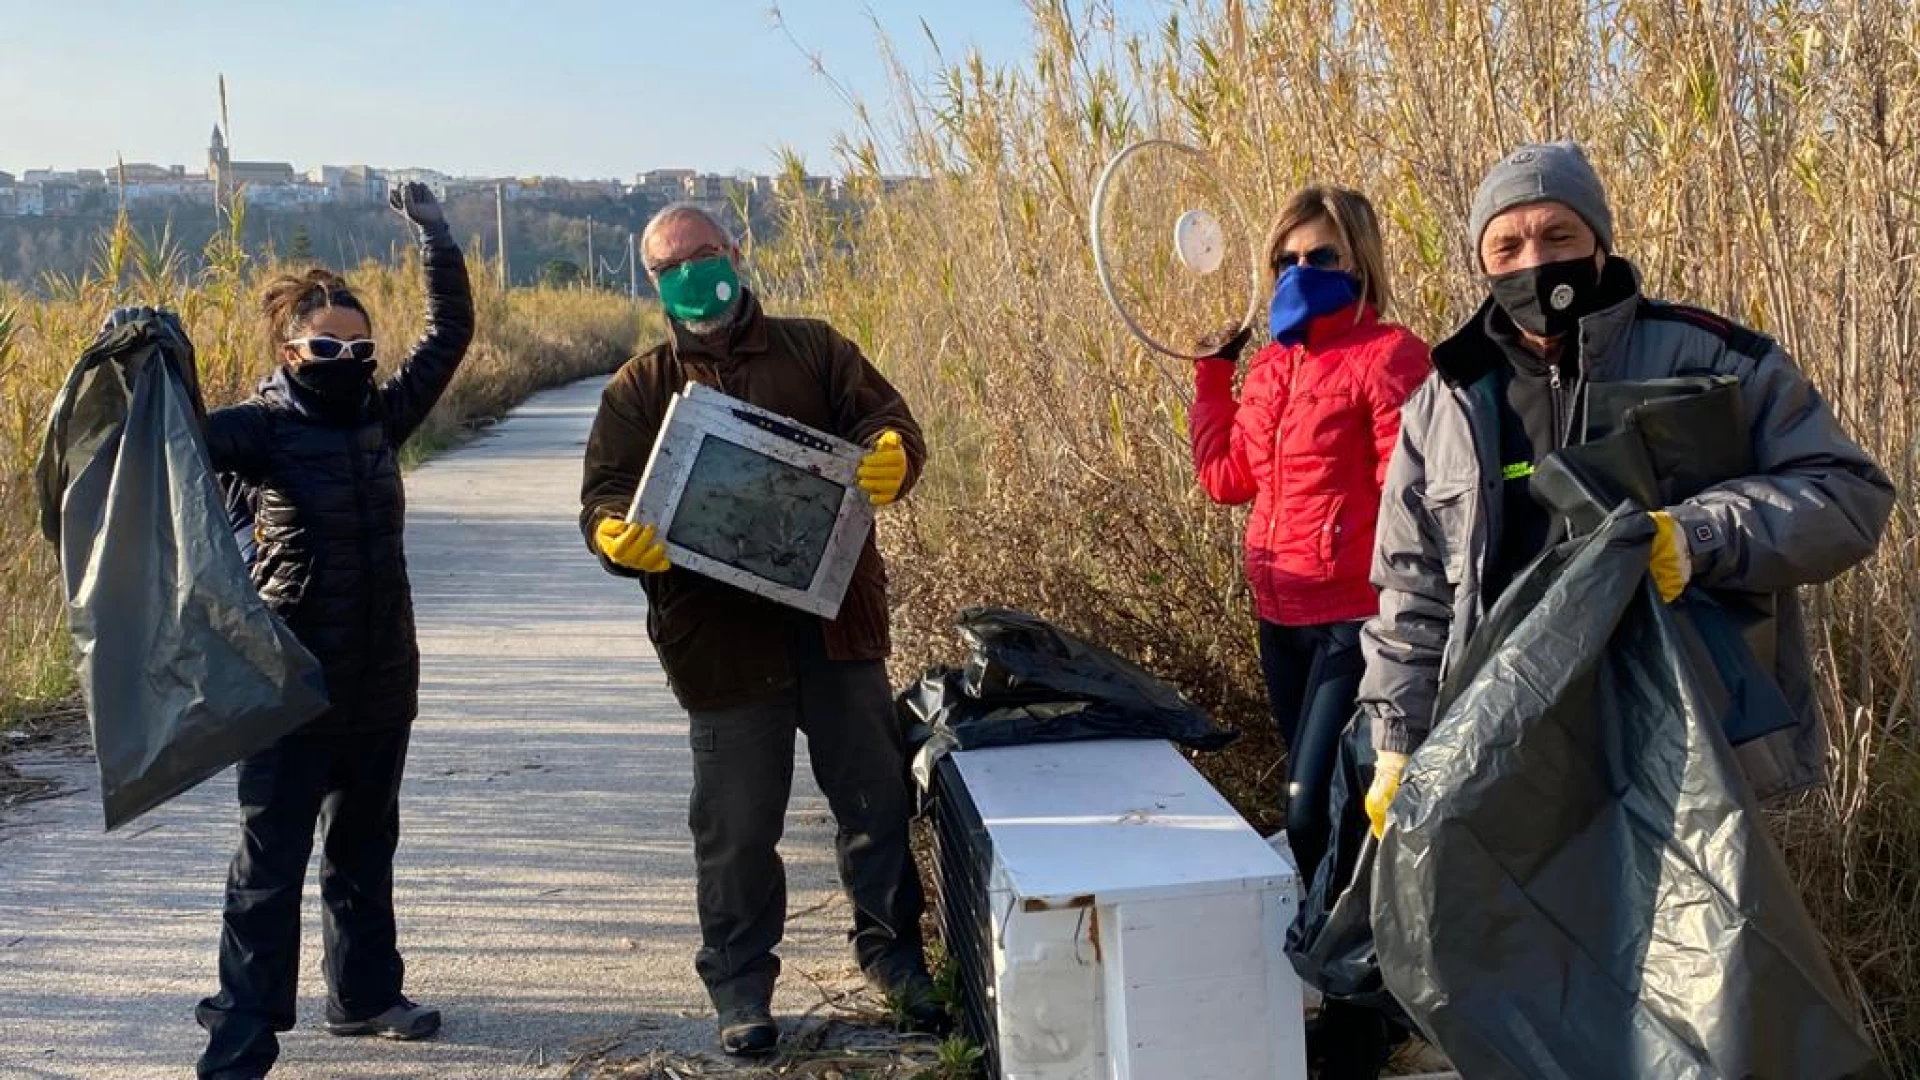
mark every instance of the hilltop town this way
{"type": "Point", "coordinates": [278, 184]}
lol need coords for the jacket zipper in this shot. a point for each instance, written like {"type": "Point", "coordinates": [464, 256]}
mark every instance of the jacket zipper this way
{"type": "Point", "coordinates": [1279, 426]}
{"type": "Point", "coordinates": [1559, 420]}
{"type": "Point", "coordinates": [1563, 424]}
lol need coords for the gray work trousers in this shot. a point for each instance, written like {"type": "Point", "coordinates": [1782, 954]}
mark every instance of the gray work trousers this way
{"type": "Point", "coordinates": [742, 774]}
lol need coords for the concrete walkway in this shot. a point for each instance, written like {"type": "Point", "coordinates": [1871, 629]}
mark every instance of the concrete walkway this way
{"type": "Point", "coordinates": [545, 882]}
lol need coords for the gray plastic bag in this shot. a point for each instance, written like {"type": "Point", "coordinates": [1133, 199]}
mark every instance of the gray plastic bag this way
{"type": "Point", "coordinates": [185, 670]}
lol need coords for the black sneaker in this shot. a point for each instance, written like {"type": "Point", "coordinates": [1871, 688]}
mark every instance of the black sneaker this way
{"type": "Point", "coordinates": [405, 1022]}
{"type": "Point", "coordinates": [749, 1033]}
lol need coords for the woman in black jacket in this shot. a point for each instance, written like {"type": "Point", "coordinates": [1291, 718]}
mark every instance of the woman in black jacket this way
{"type": "Point", "coordinates": [316, 454]}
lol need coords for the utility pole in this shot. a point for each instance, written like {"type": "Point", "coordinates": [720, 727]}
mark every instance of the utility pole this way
{"type": "Point", "coordinates": [633, 268]}
{"type": "Point", "coordinates": [593, 269]}
{"type": "Point", "coordinates": [500, 225]}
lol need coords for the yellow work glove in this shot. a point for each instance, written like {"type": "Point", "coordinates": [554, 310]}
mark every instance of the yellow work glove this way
{"type": "Point", "coordinates": [1671, 562]}
{"type": "Point", "coordinates": [1387, 771]}
{"type": "Point", "coordinates": [635, 547]}
{"type": "Point", "coordinates": [884, 470]}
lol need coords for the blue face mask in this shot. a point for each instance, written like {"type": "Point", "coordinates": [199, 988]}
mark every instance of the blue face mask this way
{"type": "Point", "coordinates": [1303, 294]}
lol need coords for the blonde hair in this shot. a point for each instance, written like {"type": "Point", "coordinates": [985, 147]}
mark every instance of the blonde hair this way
{"type": "Point", "coordinates": [1353, 221]}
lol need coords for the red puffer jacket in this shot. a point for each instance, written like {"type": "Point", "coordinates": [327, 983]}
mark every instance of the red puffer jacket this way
{"type": "Point", "coordinates": [1307, 444]}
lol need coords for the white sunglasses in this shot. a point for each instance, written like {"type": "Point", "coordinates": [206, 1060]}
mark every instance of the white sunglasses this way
{"type": "Point", "coordinates": [332, 348]}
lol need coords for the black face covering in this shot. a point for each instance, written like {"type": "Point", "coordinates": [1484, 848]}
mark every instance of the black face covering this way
{"type": "Point", "coordinates": [341, 383]}
{"type": "Point", "coordinates": [1549, 300]}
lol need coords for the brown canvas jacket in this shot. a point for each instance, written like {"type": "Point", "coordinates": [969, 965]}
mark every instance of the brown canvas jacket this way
{"type": "Point", "coordinates": [722, 646]}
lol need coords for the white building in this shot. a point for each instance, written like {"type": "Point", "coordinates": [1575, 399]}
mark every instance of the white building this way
{"type": "Point", "coordinates": [22, 200]}
{"type": "Point", "coordinates": [64, 178]}
{"type": "Point", "coordinates": [141, 172]}
{"type": "Point", "coordinates": [820, 187]}
{"type": "Point", "coordinates": [285, 195]}
{"type": "Point", "coordinates": [708, 188]}
{"type": "Point", "coordinates": [433, 178]}
{"type": "Point", "coordinates": [184, 188]}
{"type": "Point", "coordinates": [664, 185]}
{"type": "Point", "coordinates": [349, 184]}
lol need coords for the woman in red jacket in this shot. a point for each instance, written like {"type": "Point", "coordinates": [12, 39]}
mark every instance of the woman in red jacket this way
{"type": "Point", "coordinates": [1307, 443]}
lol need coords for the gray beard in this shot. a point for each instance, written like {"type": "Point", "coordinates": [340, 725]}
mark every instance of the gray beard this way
{"type": "Point", "coordinates": [719, 324]}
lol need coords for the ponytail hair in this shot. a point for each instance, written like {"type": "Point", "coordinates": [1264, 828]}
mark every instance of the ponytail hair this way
{"type": "Point", "coordinates": [289, 300]}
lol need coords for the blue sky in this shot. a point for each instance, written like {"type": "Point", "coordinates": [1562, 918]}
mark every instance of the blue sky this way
{"type": "Point", "coordinates": [585, 88]}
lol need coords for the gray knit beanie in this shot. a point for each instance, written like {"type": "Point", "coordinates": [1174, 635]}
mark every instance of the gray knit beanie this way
{"type": "Point", "coordinates": [1543, 172]}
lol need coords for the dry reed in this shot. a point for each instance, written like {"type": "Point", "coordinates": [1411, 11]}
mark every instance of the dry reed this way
{"type": "Point", "coordinates": [1764, 161]}
{"type": "Point", "coordinates": [526, 340]}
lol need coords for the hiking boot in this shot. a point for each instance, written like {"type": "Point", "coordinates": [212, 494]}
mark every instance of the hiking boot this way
{"type": "Point", "coordinates": [749, 1033]}
{"type": "Point", "coordinates": [404, 1022]}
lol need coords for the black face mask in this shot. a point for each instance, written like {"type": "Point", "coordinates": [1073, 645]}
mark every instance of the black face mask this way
{"type": "Point", "coordinates": [341, 382]}
{"type": "Point", "coordinates": [1549, 301]}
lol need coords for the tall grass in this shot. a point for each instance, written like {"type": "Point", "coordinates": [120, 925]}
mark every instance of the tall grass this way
{"type": "Point", "coordinates": [1763, 157]}
{"type": "Point", "coordinates": [526, 340]}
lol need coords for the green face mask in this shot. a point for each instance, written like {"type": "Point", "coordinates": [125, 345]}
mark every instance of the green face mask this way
{"type": "Point", "coordinates": [700, 291]}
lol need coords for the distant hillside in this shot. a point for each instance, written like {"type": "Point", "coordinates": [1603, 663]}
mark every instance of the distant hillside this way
{"type": "Point", "coordinates": [542, 237]}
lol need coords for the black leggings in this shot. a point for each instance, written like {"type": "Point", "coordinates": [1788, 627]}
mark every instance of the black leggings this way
{"type": "Point", "coordinates": [1313, 677]}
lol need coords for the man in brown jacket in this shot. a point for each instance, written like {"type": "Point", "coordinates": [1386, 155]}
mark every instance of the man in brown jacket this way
{"type": "Point", "coordinates": [750, 672]}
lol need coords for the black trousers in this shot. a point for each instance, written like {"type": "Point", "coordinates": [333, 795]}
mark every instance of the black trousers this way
{"type": "Point", "coordinates": [742, 776]}
{"type": "Point", "coordinates": [1313, 677]}
{"type": "Point", "coordinates": [350, 785]}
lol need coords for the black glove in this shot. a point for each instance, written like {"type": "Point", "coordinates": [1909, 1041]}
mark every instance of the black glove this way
{"type": "Point", "coordinates": [121, 316]}
{"type": "Point", "coordinates": [1226, 344]}
{"type": "Point", "coordinates": [417, 204]}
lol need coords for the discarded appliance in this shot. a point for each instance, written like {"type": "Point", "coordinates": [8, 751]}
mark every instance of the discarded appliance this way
{"type": "Point", "coordinates": [1113, 918]}
{"type": "Point", "coordinates": [756, 500]}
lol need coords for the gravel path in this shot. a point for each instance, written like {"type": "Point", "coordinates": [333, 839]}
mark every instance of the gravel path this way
{"type": "Point", "coordinates": [545, 873]}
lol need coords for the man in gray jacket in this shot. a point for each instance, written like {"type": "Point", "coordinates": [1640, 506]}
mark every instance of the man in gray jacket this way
{"type": "Point", "coordinates": [1458, 521]}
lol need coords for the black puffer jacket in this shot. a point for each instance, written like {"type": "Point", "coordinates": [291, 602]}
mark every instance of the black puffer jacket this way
{"type": "Point", "coordinates": [330, 510]}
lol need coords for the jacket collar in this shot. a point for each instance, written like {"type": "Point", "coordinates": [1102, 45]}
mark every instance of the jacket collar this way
{"type": "Point", "coordinates": [1473, 351]}
{"type": "Point", "coordinates": [1327, 331]}
{"type": "Point", "coordinates": [747, 337]}
{"type": "Point", "coordinates": [280, 389]}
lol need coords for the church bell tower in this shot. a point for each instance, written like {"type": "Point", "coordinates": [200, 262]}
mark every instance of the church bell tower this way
{"type": "Point", "coordinates": [220, 167]}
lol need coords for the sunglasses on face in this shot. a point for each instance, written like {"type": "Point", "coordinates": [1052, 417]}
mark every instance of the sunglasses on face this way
{"type": "Point", "coordinates": [332, 348]}
{"type": "Point", "coordinates": [1324, 257]}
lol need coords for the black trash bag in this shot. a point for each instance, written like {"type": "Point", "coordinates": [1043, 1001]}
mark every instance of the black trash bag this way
{"type": "Point", "coordinates": [1027, 681]}
{"type": "Point", "coordinates": [184, 668]}
{"type": "Point", "coordinates": [1654, 444]}
{"type": "Point", "coordinates": [1576, 880]}
{"type": "Point", "coordinates": [1331, 940]}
